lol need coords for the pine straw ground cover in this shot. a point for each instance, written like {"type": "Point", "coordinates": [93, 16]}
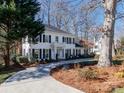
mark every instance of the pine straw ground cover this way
{"type": "Point", "coordinates": [92, 79]}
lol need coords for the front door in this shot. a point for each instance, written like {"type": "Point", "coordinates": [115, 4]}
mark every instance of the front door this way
{"type": "Point", "coordinates": [59, 52]}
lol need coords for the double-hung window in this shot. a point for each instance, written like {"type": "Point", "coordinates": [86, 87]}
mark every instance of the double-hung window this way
{"type": "Point", "coordinates": [57, 39]}
{"type": "Point", "coordinates": [46, 38]}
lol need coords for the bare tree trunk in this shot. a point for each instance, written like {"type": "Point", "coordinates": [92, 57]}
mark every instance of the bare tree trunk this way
{"type": "Point", "coordinates": [86, 41]}
{"type": "Point", "coordinates": [7, 47]}
{"type": "Point", "coordinates": [105, 59]}
{"type": "Point", "coordinates": [6, 57]}
{"type": "Point", "coordinates": [49, 8]}
{"type": "Point", "coordinates": [86, 34]}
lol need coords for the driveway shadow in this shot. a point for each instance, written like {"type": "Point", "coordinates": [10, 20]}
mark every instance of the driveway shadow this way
{"type": "Point", "coordinates": [37, 73]}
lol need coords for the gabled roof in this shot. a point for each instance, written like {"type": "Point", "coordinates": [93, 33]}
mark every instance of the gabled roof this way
{"type": "Point", "coordinates": [55, 29]}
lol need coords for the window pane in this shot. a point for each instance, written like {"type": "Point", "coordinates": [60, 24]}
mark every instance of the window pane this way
{"type": "Point", "coordinates": [46, 38]}
{"type": "Point", "coordinates": [46, 53]}
{"type": "Point", "coordinates": [57, 39]}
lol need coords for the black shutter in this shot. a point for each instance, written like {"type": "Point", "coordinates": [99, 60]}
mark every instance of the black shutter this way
{"type": "Point", "coordinates": [40, 53]}
{"type": "Point", "coordinates": [33, 52]}
{"type": "Point", "coordinates": [43, 53]}
{"type": "Point", "coordinates": [76, 52]}
{"type": "Point", "coordinates": [43, 38]}
{"type": "Point", "coordinates": [70, 52]}
{"type": "Point", "coordinates": [67, 40]}
{"type": "Point", "coordinates": [40, 38]}
{"type": "Point", "coordinates": [49, 38]}
{"type": "Point", "coordinates": [63, 39]}
{"type": "Point", "coordinates": [49, 54]}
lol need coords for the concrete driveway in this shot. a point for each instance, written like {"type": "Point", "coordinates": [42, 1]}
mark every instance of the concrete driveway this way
{"type": "Point", "coordinates": [38, 80]}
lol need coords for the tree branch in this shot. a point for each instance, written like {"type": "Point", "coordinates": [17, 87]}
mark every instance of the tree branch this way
{"type": "Point", "coordinates": [119, 16]}
{"type": "Point", "coordinates": [3, 27]}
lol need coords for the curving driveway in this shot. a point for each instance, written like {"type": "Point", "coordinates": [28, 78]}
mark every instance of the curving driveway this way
{"type": "Point", "coordinates": [38, 80]}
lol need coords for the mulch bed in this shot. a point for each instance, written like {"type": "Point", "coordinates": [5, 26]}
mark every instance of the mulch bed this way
{"type": "Point", "coordinates": [105, 82]}
{"type": "Point", "coordinates": [18, 67]}
{"type": "Point", "coordinates": [28, 65]}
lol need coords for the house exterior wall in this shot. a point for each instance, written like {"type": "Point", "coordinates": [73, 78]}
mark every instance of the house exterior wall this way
{"type": "Point", "coordinates": [55, 48]}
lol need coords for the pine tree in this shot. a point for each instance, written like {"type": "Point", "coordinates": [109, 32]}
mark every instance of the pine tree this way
{"type": "Point", "coordinates": [17, 20]}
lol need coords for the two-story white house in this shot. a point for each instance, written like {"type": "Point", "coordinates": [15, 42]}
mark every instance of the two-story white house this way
{"type": "Point", "coordinates": [52, 44]}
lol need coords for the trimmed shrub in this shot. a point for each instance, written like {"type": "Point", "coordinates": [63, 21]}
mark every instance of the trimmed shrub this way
{"type": "Point", "coordinates": [117, 62]}
{"type": "Point", "coordinates": [118, 57]}
{"type": "Point", "coordinates": [119, 74]}
{"type": "Point", "coordinates": [20, 59]}
{"type": "Point", "coordinates": [23, 60]}
{"type": "Point", "coordinates": [96, 56]}
{"type": "Point", "coordinates": [92, 55]}
{"type": "Point", "coordinates": [77, 66]}
{"type": "Point", "coordinates": [87, 73]}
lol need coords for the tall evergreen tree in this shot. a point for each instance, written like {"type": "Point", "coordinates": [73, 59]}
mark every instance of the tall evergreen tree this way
{"type": "Point", "coordinates": [17, 20]}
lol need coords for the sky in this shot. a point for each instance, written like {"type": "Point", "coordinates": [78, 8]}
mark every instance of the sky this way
{"type": "Point", "coordinates": [98, 15]}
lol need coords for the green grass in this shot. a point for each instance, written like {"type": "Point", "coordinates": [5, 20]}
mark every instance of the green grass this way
{"type": "Point", "coordinates": [118, 90]}
{"type": "Point", "coordinates": [5, 74]}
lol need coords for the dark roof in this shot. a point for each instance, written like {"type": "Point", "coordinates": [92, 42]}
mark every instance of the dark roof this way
{"type": "Point", "coordinates": [78, 45]}
{"type": "Point", "coordinates": [55, 29]}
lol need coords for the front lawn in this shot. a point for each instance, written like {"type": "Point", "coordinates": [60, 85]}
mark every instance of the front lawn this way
{"type": "Point", "coordinates": [5, 74]}
{"type": "Point", "coordinates": [118, 90]}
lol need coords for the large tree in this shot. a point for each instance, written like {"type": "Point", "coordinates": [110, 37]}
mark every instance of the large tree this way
{"type": "Point", "coordinates": [108, 33]}
{"type": "Point", "coordinates": [17, 20]}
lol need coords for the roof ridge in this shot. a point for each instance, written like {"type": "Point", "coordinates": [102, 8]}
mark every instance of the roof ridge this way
{"type": "Point", "coordinates": [57, 29]}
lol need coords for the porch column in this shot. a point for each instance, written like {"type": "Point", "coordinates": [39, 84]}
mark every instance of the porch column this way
{"type": "Point", "coordinates": [54, 51]}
